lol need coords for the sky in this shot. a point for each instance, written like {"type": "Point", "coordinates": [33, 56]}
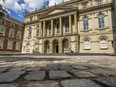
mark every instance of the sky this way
{"type": "Point", "coordinates": [18, 8]}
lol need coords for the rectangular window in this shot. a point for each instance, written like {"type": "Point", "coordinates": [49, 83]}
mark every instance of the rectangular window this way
{"type": "Point", "coordinates": [18, 35]}
{"type": "Point", "coordinates": [85, 5]}
{"type": "Point", "coordinates": [11, 33]}
{"type": "Point", "coordinates": [10, 45]}
{"type": "Point", "coordinates": [3, 21]}
{"type": "Point", "coordinates": [99, 2]}
{"type": "Point", "coordinates": [18, 46]}
{"type": "Point", "coordinates": [2, 32]}
{"type": "Point", "coordinates": [1, 44]}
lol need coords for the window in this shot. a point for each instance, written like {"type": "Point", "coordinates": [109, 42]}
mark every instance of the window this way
{"type": "Point", "coordinates": [87, 45]}
{"type": "Point", "coordinates": [85, 23]}
{"type": "Point", "coordinates": [57, 27]}
{"type": "Point", "coordinates": [3, 21]}
{"type": "Point", "coordinates": [29, 32]}
{"type": "Point", "coordinates": [99, 2]}
{"type": "Point", "coordinates": [17, 45]}
{"type": "Point", "coordinates": [1, 44]}
{"type": "Point", "coordinates": [103, 43]}
{"type": "Point", "coordinates": [2, 31]}
{"type": "Point", "coordinates": [37, 32]}
{"type": "Point", "coordinates": [49, 29]}
{"type": "Point", "coordinates": [11, 33]}
{"type": "Point", "coordinates": [12, 25]}
{"type": "Point", "coordinates": [31, 18]}
{"type": "Point", "coordinates": [101, 20]}
{"type": "Point", "coordinates": [66, 24]}
{"type": "Point", "coordinates": [10, 45]}
{"type": "Point", "coordinates": [19, 35]}
{"type": "Point", "coordinates": [85, 5]}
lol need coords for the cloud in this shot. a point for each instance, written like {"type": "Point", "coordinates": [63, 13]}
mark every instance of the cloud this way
{"type": "Point", "coordinates": [22, 6]}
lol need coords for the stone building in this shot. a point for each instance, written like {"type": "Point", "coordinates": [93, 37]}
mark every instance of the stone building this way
{"type": "Point", "coordinates": [78, 26]}
{"type": "Point", "coordinates": [11, 36]}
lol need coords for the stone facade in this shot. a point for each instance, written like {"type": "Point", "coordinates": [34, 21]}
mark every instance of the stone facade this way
{"type": "Point", "coordinates": [11, 36]}
{"type": "Point", "coordinates": [83, 26]}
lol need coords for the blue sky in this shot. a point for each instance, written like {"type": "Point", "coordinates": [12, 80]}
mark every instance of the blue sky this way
{"type": "Point", "coordinates": [18, 8]}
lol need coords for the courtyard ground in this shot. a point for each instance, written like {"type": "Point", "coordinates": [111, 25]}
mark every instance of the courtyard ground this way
{"type": "Point", "coordinates": [57, 71]}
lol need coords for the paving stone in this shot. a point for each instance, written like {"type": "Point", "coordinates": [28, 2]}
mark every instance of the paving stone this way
{"type": "Point", "coordinates": [33, 69]}
{"type": "Point", "coordinates": [58, 74]}
{"type": "Point", "coordinates": [80, 67]}
{"type": "Point", "coordinates": [109, 81]}
{"type": "Point", "coordinates": [83, 74]}
{"type": "Point", "coordinates": [3, 69]}
{"type": "Point", "coordinates": [10, 76]}
{"type": "Point", "coordinates": [8, 85]}
{"type": "Point", "coordinates": [43, 84]}
{"type": "Point", "coordinates": [103, 72]}
{"type": "Point", "coordinates": [79, 83]}
{"type": "Point", "coordinates": [18, 68]}
{"type": "Point", "coordinates": [36, 75]}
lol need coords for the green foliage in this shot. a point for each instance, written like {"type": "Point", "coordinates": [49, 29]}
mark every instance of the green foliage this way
{"type": "Point", "coordinates": [3, 12]}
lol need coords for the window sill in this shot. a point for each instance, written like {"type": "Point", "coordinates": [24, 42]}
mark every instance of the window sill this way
{"type": "Point", "coordinates": [66, 33]}
{"type": "Point", "coordinates": [102, 28]}
{"type": "Point", "coordinates": [87, 49]}
{"type": "Point", "coordinates": [86, 30]}
{"type": "Point", "coordinates": [103, 48]}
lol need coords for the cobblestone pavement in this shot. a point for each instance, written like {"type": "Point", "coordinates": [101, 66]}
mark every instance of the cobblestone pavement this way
{"type": "Point", "coordinates": [57, 71]}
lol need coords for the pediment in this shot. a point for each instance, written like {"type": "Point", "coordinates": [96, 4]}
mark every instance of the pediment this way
{"type": "Point", "coordinates": [57, 10]}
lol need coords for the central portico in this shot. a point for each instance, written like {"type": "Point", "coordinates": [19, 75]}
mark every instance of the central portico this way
{"type": "Point", "coordinates": [58, 30]}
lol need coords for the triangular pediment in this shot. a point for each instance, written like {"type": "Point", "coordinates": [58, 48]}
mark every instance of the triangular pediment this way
{"type": "Point", "coordinates": [57, 10]}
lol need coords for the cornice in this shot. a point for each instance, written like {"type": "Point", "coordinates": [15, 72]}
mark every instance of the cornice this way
{"type": "Point", "coordinates": [95, 7]}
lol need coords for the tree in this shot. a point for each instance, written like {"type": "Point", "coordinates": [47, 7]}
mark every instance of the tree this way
{"type": "Point", "coordinates": [3, 12]}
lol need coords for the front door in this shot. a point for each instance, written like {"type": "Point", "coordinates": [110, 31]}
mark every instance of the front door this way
{"type": "Point", "coordinates": [55, 47]}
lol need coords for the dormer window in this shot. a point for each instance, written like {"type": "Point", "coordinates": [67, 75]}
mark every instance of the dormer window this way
{"type": "Point", "coordinates": [99, 2]}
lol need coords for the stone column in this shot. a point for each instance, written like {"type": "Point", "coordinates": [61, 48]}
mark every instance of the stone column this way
{"type": "Point", "coordinates": [61, 27]}
{"type": "Point", "coordinates": [60, 47]}
{"type": "Point", "coordinates": [52, 28]}
{"type": "Point", "coordinates": [44, 30]}
{"type": "Point", "coordinates": [41, 30]}
{"type": "Point", "coordinates": [110, 20]}
{"type": "Point", "coordinates": [70, 24]}
{"type": "Point", "coordinates": [75, 22]}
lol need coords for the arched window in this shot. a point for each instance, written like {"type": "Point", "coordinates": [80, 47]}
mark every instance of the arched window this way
{"type": "Point", "coordinates": [103, 43]}
{"type": "Point", "coordinates": [85, 23]}
{"type": "Point", "coordinates": [99, 2]}
{"type": "Point", "coordinates": [66, 24]}
{"type": "Point", "coordinates": [29, 32]}
{"type": "Point", "coordinates": [101, 20]}
{"type": "Point", "coordinates": [57, 27]}
{"type": "Point", "coordinates": [49, 29]}
{"type": "Point", "coordinates": [87, 44]}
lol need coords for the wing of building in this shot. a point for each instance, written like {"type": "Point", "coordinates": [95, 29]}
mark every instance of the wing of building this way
{"type": "Point", "coordinates": [77, 26]}
{"type": "Point", "coordinates": [11, 35]}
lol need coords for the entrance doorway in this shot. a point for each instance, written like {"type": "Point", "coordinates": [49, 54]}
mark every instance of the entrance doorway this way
{"type": "Point", "coordinates": [55, 46]}
{"type": "Point", "coordinates": [46, 46]}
